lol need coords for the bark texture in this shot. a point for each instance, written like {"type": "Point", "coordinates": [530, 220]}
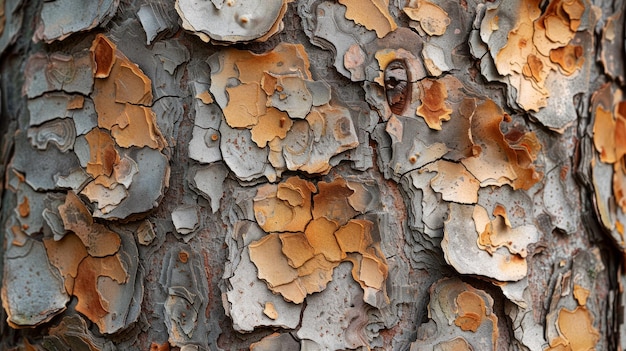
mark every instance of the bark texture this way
{"type": "Point", "coordinates": [313, 175]}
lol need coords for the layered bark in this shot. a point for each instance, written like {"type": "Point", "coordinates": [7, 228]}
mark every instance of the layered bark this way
{"type": "Point", "coordinates": [313, 175]}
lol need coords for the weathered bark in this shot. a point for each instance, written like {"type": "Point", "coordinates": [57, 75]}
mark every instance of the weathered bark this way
{"type": "Point", "coordinates": [314, 175]}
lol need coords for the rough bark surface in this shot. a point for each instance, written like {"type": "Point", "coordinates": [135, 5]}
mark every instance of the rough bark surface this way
{"type": "Point", "coordinates": [313, 175]}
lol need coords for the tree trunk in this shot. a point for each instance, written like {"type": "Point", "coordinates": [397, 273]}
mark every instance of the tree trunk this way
{"type": "Point", "coordinates": [313, 175]}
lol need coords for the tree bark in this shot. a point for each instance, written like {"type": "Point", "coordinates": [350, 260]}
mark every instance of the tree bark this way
{"type": "Point", "coordinates": [313, 175]}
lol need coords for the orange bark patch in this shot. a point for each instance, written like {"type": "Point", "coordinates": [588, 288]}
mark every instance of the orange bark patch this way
{"type": "Point", "coordinates": [297, 263]}
{"type": "Point", "coordinates": [332, 202]}
{"type": "Point", "coordinates": [372, 14]}
{"type": "Point", "coordinates": [285, 207]}
{"type": "Point", "coordinates": [604, 135]}
{"type": "Point", "coordinates": [315, 274]}
{"type": "Point", "coordinates": [297, 248]}
{"type": "Point", "coordinates": [620, 131]}
{"type": "Point", "coordinates": [246, 103]}
{"type": "Point", "coordinates": [86, 284]}
{"type": "Point", "coordinates": [102, 153]}
{"type": "Point", "coordinates": [501, 161]}
{"type": "Point", "coordinates": [433, 108]}
{"type": "Point", "coordinates": [99, 240]}
{"type": "Point", "coordinates": [533, 68]}
{"type": "Point", "coordinates": [121, 95]}
{"type": "Point", "coordinates": [272, 124]}
{"type": "Point", "coordinates": [103, 55]}
{"type": "Point", "coordinates": [273, 266]}
{"type": "Point", "coordinates": [538, 44]}
{"type": "Point", "coordinates": [66, 255]}
{"type": "Point", "coordinates": [59, 257]}
{"type": "Point", "coordinates": [576, 331]}
{"type": "Point", "coordinates": [320, 234]}
{"type": "Point", "coordinates": [24, 208]}
{"type": "Point", "coordinates": [432, 18]}
{"type": "Point", "coordinates": [454, 182]}
{"type": "Point", "coordinates": [76, 102]}
{"type": "Point", "coordinates": [372, 271]}
{"type": "Point", "coordinates": [471, 310]}
{"type": "Point", "coordinates": [270, 311]}
{"type": "Point", "coordinates": [354, 236]}
{"type": "Point", "coordinates": [160, 347]}
{"type": "Point", "coordinates": [569, 58]}
{"type": "Point", "coordinates": [581, 294]}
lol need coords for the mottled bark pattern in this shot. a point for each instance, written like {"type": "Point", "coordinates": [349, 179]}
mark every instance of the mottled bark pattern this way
{"type": "Point", "coordinates": [313, 175]}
